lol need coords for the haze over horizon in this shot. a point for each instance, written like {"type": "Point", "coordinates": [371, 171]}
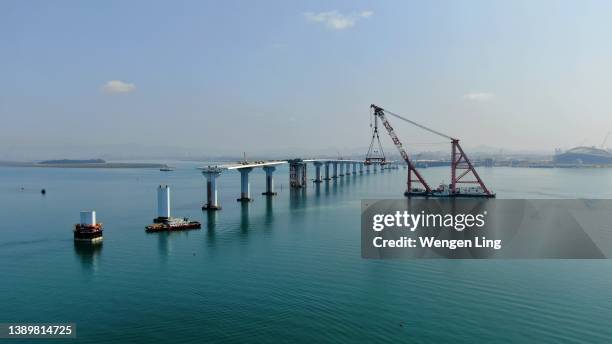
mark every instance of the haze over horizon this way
{"type": "Point", "coordinates": [221, 78]}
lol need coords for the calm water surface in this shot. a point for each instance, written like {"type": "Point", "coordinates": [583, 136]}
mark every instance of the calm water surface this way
{"type": "Point", "coordinates": [286, 269]}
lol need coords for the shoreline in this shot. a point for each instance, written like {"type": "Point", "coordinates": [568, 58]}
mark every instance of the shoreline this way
{"type": "Point", "coordinates": [83, 165]}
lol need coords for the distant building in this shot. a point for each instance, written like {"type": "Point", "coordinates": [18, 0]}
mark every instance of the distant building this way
{"type": "Point", "coordinates": [584, 155]}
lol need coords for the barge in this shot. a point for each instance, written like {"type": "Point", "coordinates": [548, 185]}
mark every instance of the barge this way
{"type": "Point", "coordinates": [172, 224]}
{"type": "Point", "coordinates": [164, 222]}
{"type": "Point", "coordinates": [445, 191]}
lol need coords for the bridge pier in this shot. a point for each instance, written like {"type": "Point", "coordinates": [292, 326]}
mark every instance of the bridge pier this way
{"type": "Point", "coordinates": [245, 186]}
{"type": "Point", "coordinates": [335, 170]}
{"type": "Point", "coordinates": [354, 168]}
{"type": "Point", "coordinates": [269, 180]}
{"type": "Point", "coordinates": [318, 171]}
{"type": "Point", "coordinates": [326, 171]}
{"type": "Point", "coordinates": [375, 167]}
{"type": "Point", "coordinates": [360, 168]}
{"type": "Point", "coordinates": [341, 169]}
{"type": "Point", "coordinates": [297, 173]}
{"type": "Point", "coordinates": [211, 189]}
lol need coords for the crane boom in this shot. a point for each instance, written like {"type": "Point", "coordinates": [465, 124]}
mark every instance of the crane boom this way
{"type": "Point", "coordinates": [380, 113]}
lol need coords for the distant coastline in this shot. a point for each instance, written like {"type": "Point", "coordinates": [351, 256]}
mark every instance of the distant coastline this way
{"type": "Point", "coordinates": [82, 164]}
{"type": "Point", "coordinates": [73, 161]}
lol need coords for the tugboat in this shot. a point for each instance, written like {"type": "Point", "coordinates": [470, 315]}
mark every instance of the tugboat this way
{"type": "Point", "coordinates": [164, 222]}
{"type": "Point", "coordinates": [167, 169]}
{"type": "Point", "coordinates": [88, 230]}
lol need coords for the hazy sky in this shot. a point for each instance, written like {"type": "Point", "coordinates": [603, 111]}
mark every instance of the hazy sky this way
{"type": "Point", "coordinates": [257, 76]}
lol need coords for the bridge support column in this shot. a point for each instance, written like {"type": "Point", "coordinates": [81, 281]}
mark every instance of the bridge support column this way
{"type": "Point", "coordinates": [326, 171]}
{"type": "Point", "coordinates": [375, 167]}
{"type": "Point", "coordinates": [335, 170]}
{"type": "Point", "coordinates": [360, 168]}
{"type": "Point", "coordinates": [354, 168]}
{"type": "Point", "coordinates": [211, 190]}
{"type": "Point", "coordinates": [341, 169]}
{"type": "Point", "coordinates": [269, 180]}
{"type": "Point", "coordinates": [245, 186]}
{"type": "Point", "coordinates": [318, 171]}
{"type": "Point", "coordinates": [297, 174]}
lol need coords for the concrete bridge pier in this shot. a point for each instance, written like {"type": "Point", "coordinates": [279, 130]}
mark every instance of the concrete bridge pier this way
{"type": "Point", "coordinates": [318, 171]}
{"type": "Point", "coordinates": [360, 168]}
{"type": "Point", "coordinates": [211, 190]}
{"type": "Point", "coordinates": [354, 168]}
{"type": "Point", "coordinates": [326, 171]}
{"type": "Point", "coordinates": [368, 169]}
{"type": "Point", "coordinates": [245, 186]}
{"type": "Point", "coordinates": [269, 180]}
{"type": "Point", "coordinates": [297, 174]}
{"type": "Point", "coordinates": [335, 170]}
{"type": "Point", "coordinates": [375, 167]}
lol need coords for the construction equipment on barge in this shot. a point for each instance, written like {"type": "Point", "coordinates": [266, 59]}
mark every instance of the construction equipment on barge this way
{"type": "Point", "coordinates": [88, 230]}
{"type": "Point", "coordinates": [461, 166]}
{"type": "Point", "coordinates": [164, 222]}
{"type": "Point", "coordinates": [173, 224]}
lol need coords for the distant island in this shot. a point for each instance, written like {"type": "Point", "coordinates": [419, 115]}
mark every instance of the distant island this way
{"type": "Point", "coordinates": [82, 163]}
{"type": "Point", "coordinates": [69, 161]}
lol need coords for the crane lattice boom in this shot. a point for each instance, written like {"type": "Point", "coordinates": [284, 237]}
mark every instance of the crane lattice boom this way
{"type": "Point", "coordinates": [379, 112]}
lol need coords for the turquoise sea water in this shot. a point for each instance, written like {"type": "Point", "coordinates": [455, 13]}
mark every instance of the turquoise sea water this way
{"type": "Point", "coordinates": [282, 269]}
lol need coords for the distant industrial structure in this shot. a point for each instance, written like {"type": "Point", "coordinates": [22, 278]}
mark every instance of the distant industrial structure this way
{"type": "Point", "coordinates": [583, 156]}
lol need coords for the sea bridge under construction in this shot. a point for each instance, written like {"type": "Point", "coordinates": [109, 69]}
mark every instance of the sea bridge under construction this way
{"type": "Point", "coordinates": [325, 170]}
{"type": "Point", "coordinates": [462, 171]}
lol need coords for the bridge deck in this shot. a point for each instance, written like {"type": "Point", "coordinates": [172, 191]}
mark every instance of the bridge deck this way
{"type": "Point", "coordinates": [237, 166]}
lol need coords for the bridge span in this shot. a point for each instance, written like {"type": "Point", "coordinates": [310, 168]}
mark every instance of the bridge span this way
{"type": "Point", "coordinates": [297, 175]}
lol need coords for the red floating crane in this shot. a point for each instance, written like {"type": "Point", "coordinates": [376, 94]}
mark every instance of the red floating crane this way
{"type": "Point", "coordinates": [461, 166]}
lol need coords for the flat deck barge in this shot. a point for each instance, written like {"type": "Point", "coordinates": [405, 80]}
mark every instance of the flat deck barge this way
{"type": "Point", "coordinates": [172, 224]}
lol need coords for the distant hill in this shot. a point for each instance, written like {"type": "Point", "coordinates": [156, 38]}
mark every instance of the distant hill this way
{"type": "Point", "coordinates": [96, 163]}
{"type": "Point", "coordinates": [71, 161]}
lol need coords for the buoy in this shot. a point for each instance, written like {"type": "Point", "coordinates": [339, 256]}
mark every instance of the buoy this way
{"type": "Point", "coordinates": [43, 191]}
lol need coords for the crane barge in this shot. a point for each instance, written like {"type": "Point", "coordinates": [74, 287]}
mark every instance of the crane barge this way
{"type": "Point", "coordinates": [461, 166]}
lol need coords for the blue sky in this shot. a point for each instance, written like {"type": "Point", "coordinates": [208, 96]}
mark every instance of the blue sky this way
{"type": "Point", "coordinates": [231, 76]}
